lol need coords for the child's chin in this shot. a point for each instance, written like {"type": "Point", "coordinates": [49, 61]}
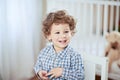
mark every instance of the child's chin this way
{"type": "Point", "coordinates": [63, 45]}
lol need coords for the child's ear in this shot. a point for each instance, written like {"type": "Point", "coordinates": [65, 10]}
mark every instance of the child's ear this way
{"type": "Point", "coordinates": [49, 38]}
{"type": "Point", "coordinates": [72, 33]}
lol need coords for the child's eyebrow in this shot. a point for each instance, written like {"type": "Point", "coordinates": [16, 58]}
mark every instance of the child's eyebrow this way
{"type": "Point", "coordinates": [66, 29]}
{"type": "Point", "coordinates": [56, 31]}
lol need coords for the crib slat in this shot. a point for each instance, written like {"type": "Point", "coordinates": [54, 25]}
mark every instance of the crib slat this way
{"type": "Point", "coordinates": [111, 17]}
{"type": "Point", "coordinates": [91, 19]}
{"type": "Point", "coordinates": [105, 19]}
{"type": "Point", "coordinates": [98, 20]}
{"type": "Point", "coordinates": [117, 18]}
{"type": "Point", "coordinates": [84, 19]}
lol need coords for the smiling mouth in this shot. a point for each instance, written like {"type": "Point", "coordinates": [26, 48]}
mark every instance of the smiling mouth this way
{"type": "Point", "coordinates": [63, 41]}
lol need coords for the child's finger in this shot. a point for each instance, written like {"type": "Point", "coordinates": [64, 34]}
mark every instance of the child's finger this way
{"type": "Point", "coordinates": [52, 76]}
{"type": "Point", "coordinates": [44, 74]}
{"type": "Point", "coordinates": [45, 78]}
{"type": "Point", "coordinates": [49, 74]}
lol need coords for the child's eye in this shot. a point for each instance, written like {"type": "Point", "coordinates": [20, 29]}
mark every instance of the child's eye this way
{"type": "Point", "coordinates": [57, 32]}
{"type": "Point", "coordinates": [66, 31]}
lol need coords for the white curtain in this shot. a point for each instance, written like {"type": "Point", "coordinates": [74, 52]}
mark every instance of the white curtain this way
{"type": "Point", "coordinates": [20, 37]}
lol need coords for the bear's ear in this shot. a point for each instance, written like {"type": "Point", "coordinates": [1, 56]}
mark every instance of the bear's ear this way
{"type": "Point", "coordinates": [106, 35]}
{"type": "Point", "coordinates": [116, 34]}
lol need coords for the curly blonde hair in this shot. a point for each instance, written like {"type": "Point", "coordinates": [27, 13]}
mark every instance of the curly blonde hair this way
{"type": "Point", "coordinates": [58, 17]}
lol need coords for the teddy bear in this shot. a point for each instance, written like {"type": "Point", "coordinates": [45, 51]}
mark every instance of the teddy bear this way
{"type": "Point", "coordinates": [112, 49]}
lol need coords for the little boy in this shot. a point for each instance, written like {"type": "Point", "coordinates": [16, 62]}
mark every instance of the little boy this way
{"type": "Point", "coordinates": [58, 61]}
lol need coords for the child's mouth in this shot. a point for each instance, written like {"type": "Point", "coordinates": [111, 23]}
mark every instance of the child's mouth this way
{"type": "Point", "coordinates": [63, 41]}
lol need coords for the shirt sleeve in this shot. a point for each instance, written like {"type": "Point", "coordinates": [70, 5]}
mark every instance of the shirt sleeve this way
{"type": "Point", "coordinates": [76, 71]}
{"type": "Point", "coordinates": [38, 65]}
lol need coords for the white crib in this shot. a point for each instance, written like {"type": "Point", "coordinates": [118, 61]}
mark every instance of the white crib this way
{"type": "Point", "coordinates": [94, 19]}
{"type": "Point", "coordinates": [91, 63]}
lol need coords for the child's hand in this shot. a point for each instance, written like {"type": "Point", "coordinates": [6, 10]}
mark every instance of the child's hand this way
{"type": "Point", "coordinates": [43, 75]}
{"type": "Point", "coordinates": [55, 73]}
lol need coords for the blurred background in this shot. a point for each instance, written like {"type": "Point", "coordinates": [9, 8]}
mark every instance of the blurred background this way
{"type": "Point", "coordinates": [21, 38]}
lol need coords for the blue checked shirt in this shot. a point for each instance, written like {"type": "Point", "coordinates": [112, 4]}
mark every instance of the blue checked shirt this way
{"type": "Point", "coordinates": [68, 59]}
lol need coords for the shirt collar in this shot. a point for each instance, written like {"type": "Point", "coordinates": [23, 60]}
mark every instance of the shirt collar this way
{"type": "Point", "coordinates": [61, 54]}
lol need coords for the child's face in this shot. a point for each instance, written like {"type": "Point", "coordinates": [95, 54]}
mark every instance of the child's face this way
{"type": "Point", "coordinates": [60, 36]}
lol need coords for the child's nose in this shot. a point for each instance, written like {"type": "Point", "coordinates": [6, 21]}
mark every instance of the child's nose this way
{"type": "Point", "coordinates": [63, 35]}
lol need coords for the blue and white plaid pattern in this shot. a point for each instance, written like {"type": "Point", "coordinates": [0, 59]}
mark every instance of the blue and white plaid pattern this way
{"type": "Point", "coordinates": [67, 59]}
